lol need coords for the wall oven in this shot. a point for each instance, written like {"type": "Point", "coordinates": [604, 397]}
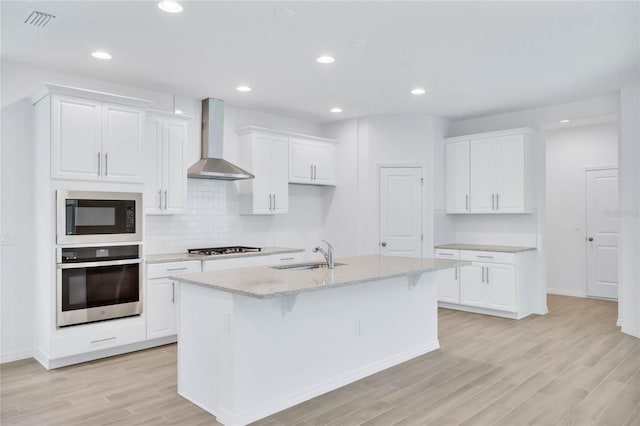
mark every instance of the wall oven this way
{"type": "Point", "coordinates": [98, 217]}
{"type": "Point", "coordinates": [98, 283]}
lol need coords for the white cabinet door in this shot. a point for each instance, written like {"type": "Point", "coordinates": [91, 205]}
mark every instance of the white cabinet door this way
{"type": "Point", "coordinates": [482, 182]}
{"type": "Point", "coordinates": [501, 284]}
{"type": "Point", "coordinates": [174, 170]}
{"type": "Point", "coordinates": [509, 174]}
{"type": "Point", "coordinates": [324, 159]}
{"type": "Point", "coordinates": [473, 290]}
{"type": "Point", "coordinates": [122, 129]}
{"type": "Point", "coordinates": [279, 162]}
{"type": "Point", "coordinates": [152, 166]}
{"type": "Point", "coordinates": [262, 168]}
{"type": "Point", "coordinates": [300, 160]}
{"type": "Point", "coordinates": [162, 301]}
{"type": "Point", "coordinates": [448, 285]}
{"type": "Point", "coordinates": [457, 177]}
{"type": "Point", "coordinates": [76, 138]}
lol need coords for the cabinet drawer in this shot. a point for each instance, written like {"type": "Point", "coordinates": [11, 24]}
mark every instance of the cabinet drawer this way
{"type": "Point", "coordinates": [488, 256]}
{"type": "Point", "coordinates": [447, 254]}
{"type": "Point", "coordinates": [96, 337]}
{"type": "Point", "coordinates": [161, 270]}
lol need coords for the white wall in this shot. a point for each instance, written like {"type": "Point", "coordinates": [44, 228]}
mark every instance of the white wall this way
{"type": "Point", "coordinates": [212, 220]}
{"type": "Point", "coordinates": [629, 191]}
{"type": "Point", "coordinates": [569, 152]}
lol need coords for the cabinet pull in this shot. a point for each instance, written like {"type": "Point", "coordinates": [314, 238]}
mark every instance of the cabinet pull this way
{"type": "Point", "coordinates": [270, 203]}
{"type": "Point", "coordinates": [166, 199]}
{"type": "Point", "coordinates": [485, 257]}
{"type": "Point", "coordinates": [482, 273]}
{"type": "Point", "coordinates": [103, 340]}
{"type": "Point", "coordinates": [315, 172]}
{"type": "Point", "coordinates": [274, 201]}
{"type": "Point", "coordinates": [487, 275]}
{"type": "Point", "coordinates": [445, 254]}
{"type": "Point", "coordinates": [106, 163]}
{"type": "Point", "coordinates": [456, 269]}
{"type": "Point", "coordinates": [466, 202]}
{"type": "Point", "coordinates": [176, 269]}
{"type": "Point", "coordinates": [311, 172]}
{"type": "Point", "coordinates": [159, 199]}
{"type": "Point", "coordinates": [99, 163]}
{"type": "Point", "coordinates": [497, 201]}
{"type": "Point", "coordinates": [173, 292]}
{"type": "Point", "coordinates": [287, 258]}
{"type": "Point", "coordinates": [493, 202]}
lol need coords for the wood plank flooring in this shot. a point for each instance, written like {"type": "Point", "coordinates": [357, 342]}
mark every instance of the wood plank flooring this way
{"type": "Point", "coordinates": [570, 367]}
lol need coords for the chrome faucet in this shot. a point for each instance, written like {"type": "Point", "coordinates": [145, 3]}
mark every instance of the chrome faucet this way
{"type": "Point", "coordinates": [328, 254]}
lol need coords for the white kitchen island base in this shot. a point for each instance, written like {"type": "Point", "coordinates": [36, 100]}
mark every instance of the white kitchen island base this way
{"type": "Point", "coordinates": [241, 358]}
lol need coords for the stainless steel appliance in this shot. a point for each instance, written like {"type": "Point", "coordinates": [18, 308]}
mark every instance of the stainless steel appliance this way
{"type": "Point", "coordinates": [99, 217]}
{"type": "Point", "coordinates": [215, 251]}
{"type": "Point", "coordinates": [98, 283]}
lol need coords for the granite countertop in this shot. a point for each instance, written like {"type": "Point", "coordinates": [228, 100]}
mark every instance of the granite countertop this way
{"type": "Point", "coordinates": [484, 247]}
{"type": "Point", "coordinates": [181, 257]}
{"type": "Point", "coordinates": [264, 282]}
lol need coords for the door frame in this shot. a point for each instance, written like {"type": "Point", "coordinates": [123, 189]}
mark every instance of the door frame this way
{"type": "Point", "coordinates": [586, 224]}
{"type": "Point", "coordinates": [379, 168]}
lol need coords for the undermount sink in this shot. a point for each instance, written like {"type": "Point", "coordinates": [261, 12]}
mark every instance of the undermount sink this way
{"type": "Point", "coordinates": [305, 266]}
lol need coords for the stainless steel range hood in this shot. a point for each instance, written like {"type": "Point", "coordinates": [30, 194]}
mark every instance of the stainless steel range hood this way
{"type": "Point", "coordinates": [211, 165]}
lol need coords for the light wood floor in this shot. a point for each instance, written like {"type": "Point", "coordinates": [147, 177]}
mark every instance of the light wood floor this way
{"type": "Point", "coordinates": [570, 367]}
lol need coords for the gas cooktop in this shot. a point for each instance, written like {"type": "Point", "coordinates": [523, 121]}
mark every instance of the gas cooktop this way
{"type": "Point", "coordinates": [214, 251]}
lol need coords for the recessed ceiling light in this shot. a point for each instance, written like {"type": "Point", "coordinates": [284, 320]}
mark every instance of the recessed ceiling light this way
{"type": "Point", "coordinates": [325, 59]}
{"type": "Point", "coordinates": [336, 109]}
{"type": "Point", "coordinates": [100, 55]}
{"type": "Point", "coordinates": [170, 6]}
{"type": "Point", "coordinates": [564, 121]}
{"type": "Point", "coordinates": [178, 111]}
{"type": "Point", "coordinates": [243, 89]}
{"type": "Point", "coordinates": [418, 91]}
{"type": "Point", "coordinates": [283, 12]}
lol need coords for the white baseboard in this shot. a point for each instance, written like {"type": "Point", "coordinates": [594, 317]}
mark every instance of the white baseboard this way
{"type": "Point", "coordinates": [632, 331]}
{"type": "Point", "coordinates": [565, 292]}
{"type": "Point", "coordinates": [15, 355]}
{"type": "Point", "coordinates": [483, 311]}
{"type": "Point", "coordinates": [290, 400]}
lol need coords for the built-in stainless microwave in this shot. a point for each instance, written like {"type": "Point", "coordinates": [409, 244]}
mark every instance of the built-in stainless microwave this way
{"type": "Point", "coordinates": [99, 217]}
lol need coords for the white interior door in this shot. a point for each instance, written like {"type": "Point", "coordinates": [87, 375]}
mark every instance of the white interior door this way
{"type": "Point", "coordinates": [603, 226]}
{"type": "Point", "coordinates": [401, 211]}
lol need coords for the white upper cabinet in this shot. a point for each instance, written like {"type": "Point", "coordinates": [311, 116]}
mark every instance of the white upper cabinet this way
{"type": "Point", "coordinates": [266, 155]}
{"type": "Point", "coordinates": [312, 161]}
{"type": "Point", "coordinates": [94, 136]}
{"type": "Point", "coordinates": [165, 173]}
{"type": "Point", "coordinates": [457, 177]}
{"type": "Point", "coordinates": [497, 177]}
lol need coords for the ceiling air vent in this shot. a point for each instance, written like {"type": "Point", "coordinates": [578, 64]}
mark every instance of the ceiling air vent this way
{"type": "Point", "coordinates": [38, 19]}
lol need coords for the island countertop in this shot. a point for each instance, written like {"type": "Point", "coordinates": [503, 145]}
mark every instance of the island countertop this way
{"type": "Point", "coordinates": [265, 282]}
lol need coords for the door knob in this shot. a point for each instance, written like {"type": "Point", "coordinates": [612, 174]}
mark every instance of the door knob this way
{"type": "Point", "coordinates": [590, 238]}
{"type": "Point", "coordinates": [383, 244]}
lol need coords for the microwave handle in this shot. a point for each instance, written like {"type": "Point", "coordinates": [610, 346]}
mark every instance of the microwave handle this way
{"type": "Point", "coordinates": [98, 264]}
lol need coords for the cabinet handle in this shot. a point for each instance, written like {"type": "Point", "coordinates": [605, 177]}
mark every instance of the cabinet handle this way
{"type": "Point", "coordinates": [482, 273]}
{"type": "Point", "coordinates": [274, 201]}
{"type": "Point", "coordinates": [166, 198]}
{"type": "Point", "coordinates": [445, 254]}
{"type": "Point", "coordinates": [106, 163]}
{"type": "Point", "coordinates": [173, 292]}
{"type": "Point", "coordinates": [485, 257]}
{"type": "Point", "coordinates": [176, 269]}
{"type": "Point", "coordinates": [497, 201]}
{"type": "Point", "coordinates": [493, 202]}
{"type": "Point", "coordinates": [103, 340]}
{"type": "Point", "coordinates": [487, 275]}
{"type": "Point", "coordinates": [466, 202]}
{"type": "Point", "coordinates": [287, 258]}
{"type": "Point", "coordinates": [315, 172]}
{"type": "Point", "coordinates": [270, 203]}
{"type": "Point", "coordinates": [159, 199]}
{"type": "Point", "coordinates": [99, 163]}
{"type": "Point", "coordinates": [311, 172]}
{"type": "Point", "coordinates": [456, 269]}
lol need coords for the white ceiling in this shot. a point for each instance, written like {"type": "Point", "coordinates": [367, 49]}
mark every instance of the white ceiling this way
{"type": "Point", "coordinates": [474, 58]}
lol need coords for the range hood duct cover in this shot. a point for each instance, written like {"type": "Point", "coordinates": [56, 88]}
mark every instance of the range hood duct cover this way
{"type": "Point", "coordinates": [212, 165]}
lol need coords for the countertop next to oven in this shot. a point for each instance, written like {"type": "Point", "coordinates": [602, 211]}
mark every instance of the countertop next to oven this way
{"type": "Point", "coordinates": [484, 247]}
{"type": "Point", "coordinates": [181, 257]}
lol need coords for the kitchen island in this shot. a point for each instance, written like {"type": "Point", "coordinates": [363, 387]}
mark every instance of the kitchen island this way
{"type": "Point", "coordinates": [254, 341]}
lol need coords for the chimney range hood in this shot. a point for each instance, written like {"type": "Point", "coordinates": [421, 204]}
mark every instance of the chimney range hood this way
{"type": "Point", "coordinates": [211, 165]}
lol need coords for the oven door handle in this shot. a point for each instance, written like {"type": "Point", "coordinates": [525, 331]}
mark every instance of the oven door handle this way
{"type": "Point", "coordinates": [98, 264]}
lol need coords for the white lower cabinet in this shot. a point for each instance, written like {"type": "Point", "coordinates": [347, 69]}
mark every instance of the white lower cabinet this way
{"type": "Point", "coordinates": [494, 283]}
{"type": "Point", "coordinates": [162, 296]}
